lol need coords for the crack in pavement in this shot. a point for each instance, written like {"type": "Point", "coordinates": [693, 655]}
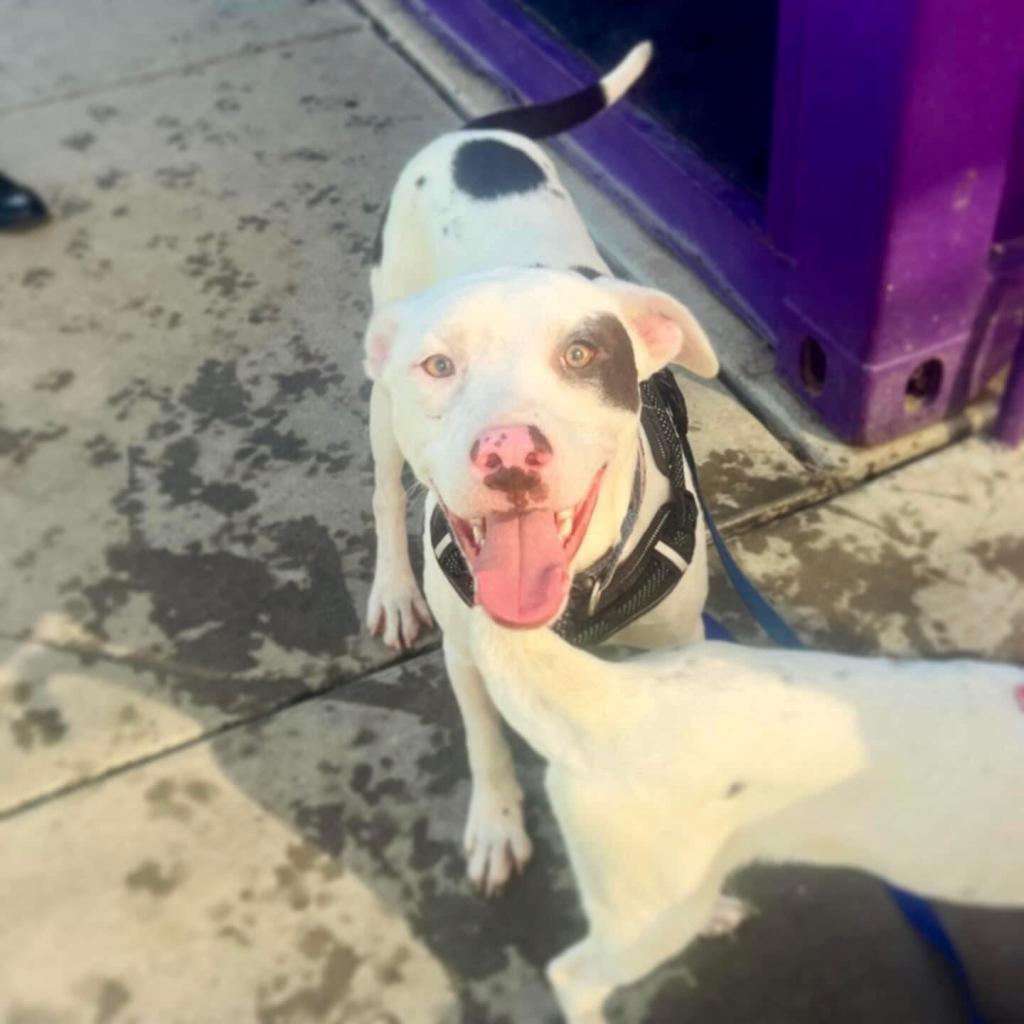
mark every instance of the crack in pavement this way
{"type": "Point", "coordinates": [113, 771]}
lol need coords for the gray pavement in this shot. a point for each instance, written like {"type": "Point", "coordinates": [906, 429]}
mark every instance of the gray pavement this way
{"type": "Point", "coordinates": [219, 800]}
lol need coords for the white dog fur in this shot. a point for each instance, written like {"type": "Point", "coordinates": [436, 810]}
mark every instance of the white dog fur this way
{"type": "Point", "coordinates": [458, 276]}
{"type": "Point", "coordinates": [669, 771]}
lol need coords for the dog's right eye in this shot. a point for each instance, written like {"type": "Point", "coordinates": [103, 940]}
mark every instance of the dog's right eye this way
{"type": "Point", "coordinates": [438, 366]}
{"type": "Point", "coordinates": [579, 354]}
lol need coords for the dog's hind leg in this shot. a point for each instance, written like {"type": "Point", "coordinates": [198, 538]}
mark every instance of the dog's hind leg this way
{"type": "Point", "coordinates": [396, 609]}
{"type": "Point", "coordinates": [586, 974]}
{"type": "Point", "coordinates": [675, 928]}
{"type": "Point", "coordinates": [580, 982]}
{"type": "Point", "coordinates": [647, 892]}
{"type": "Point", "coordinates": [495, 839]}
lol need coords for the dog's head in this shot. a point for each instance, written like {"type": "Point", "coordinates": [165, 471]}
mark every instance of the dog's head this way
{"type": "Point", "coordinates": [515, 398]}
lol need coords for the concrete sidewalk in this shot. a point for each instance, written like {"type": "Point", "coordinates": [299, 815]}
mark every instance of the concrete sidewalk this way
{"type": "Point", "coordinates": [220, 801]}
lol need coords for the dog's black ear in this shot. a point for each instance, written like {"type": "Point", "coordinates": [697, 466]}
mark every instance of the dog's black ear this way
{"type": "Point", "coordinates": [665, 329]}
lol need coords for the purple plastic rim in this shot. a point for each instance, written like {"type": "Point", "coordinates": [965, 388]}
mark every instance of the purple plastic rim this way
{"type": "Point", "coordinates": [866, 243]}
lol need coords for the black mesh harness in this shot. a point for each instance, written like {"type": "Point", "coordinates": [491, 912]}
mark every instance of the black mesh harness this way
{"type": "Point", "coordinates": [611, 594]}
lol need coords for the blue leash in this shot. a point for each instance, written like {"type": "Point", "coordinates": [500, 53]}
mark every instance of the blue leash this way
{"type": "Point", "coordinates": [918, 912]}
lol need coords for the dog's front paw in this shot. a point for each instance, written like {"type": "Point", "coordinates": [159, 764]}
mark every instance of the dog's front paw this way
{"type": "Point", "coordinates": [397, 611]}
{"type": "Point", "coordinates": [496, 842]}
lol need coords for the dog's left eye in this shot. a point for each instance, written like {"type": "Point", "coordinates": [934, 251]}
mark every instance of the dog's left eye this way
{"type": "Point", "coordinates": [579, 354]}
{"type": "Point", "coordinates": [438, 366]}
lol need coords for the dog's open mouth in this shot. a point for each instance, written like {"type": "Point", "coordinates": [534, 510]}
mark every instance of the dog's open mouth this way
{"type": "Point", "coordinates": [520, 560]}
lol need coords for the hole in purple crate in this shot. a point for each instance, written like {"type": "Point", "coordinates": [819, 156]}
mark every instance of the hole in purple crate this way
{"type": "Point", "coordinates": [813, 365]}
{"type": "Point", "coordinates": [923, 385]}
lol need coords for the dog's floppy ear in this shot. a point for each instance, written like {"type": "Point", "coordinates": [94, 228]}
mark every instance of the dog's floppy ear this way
{"type": "Point", "coordinates": [379, 341]}
{"type": "Point", "coordinates": [666, 329]}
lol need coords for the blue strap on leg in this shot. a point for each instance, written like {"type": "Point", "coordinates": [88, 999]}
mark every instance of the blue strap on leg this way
{"type": "Point", "coordinates": [918, 912]}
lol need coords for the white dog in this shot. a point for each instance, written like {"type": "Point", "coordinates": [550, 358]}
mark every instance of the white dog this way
{"type": "Point", "coordinates": [516, 376]}
{"type": "Point", "coordinates": [671, 770]}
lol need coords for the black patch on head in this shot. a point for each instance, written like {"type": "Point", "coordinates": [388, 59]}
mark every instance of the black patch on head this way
{"type": "Point", "coordinates": [735, 789]}
{"type": "Point", "coordinates": [588, 272]}
{"type": "Point", "coordinates": [377, 252]}
{"type": "Point", "coordinates": [488, 169]}
{"type": "Point", "coordinates": [613, 370]}
{"type": "Point", "coordinates": [421, 181]}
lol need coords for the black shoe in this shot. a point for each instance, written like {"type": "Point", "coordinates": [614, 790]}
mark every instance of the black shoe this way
{"type": "Point", "coordinates": [20, 207]}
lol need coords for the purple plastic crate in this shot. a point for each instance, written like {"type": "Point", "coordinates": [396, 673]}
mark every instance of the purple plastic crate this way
{"type": "Point", "coordinates": [886, 263]}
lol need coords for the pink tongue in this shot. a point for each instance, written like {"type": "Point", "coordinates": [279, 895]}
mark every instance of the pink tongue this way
{"type": "Point", "coordinates": [521, 572]}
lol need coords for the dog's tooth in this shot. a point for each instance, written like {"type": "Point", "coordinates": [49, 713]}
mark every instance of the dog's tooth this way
{"type": "Point", "coordinates": [564, 521]}
{"type": "Point", "coordinates": [478, 533]}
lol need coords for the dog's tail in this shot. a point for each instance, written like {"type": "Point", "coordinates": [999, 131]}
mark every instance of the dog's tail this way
{"type": "Point", "coordinates": [546, 119]}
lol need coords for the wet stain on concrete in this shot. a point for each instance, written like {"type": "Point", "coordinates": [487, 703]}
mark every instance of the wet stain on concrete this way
{"type": "Point", "coordinates": [217, 394]}
{"type": "Point", "coordinates": [21, 693]}
{"type": "Point", "coordinates": [833, 571]}
{"type": "Point", "coordinates": [151, 878]}
{"type": "Point", "coordinates": [113, 996]}
{"type": "Point", "coordinates": [72, 206]}
{"type": "Point", "coordinates": [38, 727]}
{"type": "Point", "coordinates": [740, 480]}
{"type": "Point", "coordinates": [101, 113]}
{"type": "Point", "coordinates": [338, 964]}
{"type": "Point", "coordinates": [178, 800]}
{"type": "Point", "coordinates": [256, 579]}
{"type": "Point", "coordinates": [54, 380]}
{"type": "Point", "coordinates": [110, 179]}
{"type": "Point", "coordinates": [36, 277]}
{"type": "Point", "coordinates": [179, 178]}
{"type": "Point", "coordinates": [1001, 554]}
{"type": "Point", "coordinates": [79, 141]}
{"type": "Point", "coordinates": [102, 450]}
{"type": "Point", "coordinates": [182, 485]}
{"type": "Point", "coordinates": [238, 600]}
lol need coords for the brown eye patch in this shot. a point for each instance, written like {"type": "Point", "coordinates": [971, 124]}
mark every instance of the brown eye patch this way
{"type": "Point", "coordinates": [612, 368]}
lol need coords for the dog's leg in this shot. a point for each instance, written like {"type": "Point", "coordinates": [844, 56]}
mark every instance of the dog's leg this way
{"type": "Point", "coordinates": [612, 954]}
{"type": "Point", "coordinates": [647, 893]}
{"type": "Point", "coordinates": [495, 839]}
{"type": "Point", "coordinates": [396, 608]}
{"type": "Point", "coordinates": [579, 983]}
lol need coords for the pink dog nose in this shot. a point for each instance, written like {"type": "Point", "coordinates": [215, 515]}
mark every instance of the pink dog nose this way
{"type": "Point", "coordinates": [518, 447]}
